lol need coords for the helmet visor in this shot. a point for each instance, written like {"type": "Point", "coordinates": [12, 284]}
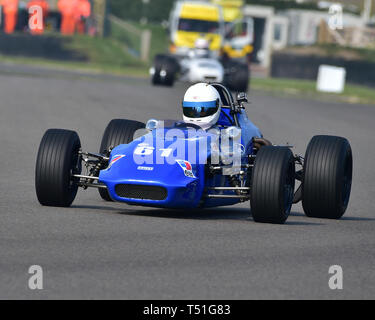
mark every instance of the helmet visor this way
{"type": "Point", "coordinates": [200, 109]}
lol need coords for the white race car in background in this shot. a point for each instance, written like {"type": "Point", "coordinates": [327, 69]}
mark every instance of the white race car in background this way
{"type": "Point", "coordinates": [198, 66]}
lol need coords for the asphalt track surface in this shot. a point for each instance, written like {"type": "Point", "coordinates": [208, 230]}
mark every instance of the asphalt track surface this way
{"type": "Point", "coordinates": [106, 250]}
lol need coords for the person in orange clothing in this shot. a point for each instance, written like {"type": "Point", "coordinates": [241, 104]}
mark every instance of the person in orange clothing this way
{"type": "Point", "coordinates": [68, 9]}
{"type": "Point", "coordinates": [83, 12]}
{"type": "Point", "coordinates": [45, 7]}
{"type": "Point", "coordinates": [10, 9]}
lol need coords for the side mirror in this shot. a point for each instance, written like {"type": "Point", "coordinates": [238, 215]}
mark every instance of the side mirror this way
{"type": "Point", "coordinates": [242, 98]}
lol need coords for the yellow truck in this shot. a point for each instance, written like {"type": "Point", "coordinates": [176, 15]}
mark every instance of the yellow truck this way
{"type": "Point", "coordinates": [238, 30]}
{"type": "Point", "coordinates": [191, 20]}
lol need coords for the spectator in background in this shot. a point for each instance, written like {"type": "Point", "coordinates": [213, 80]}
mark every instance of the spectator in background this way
{"type": "Point", "coordinates": [83, 12]}
{"type": "Point", "coordinates": [45, 7]}
{"type": "Point", "coordinates": [68, 9]}
{"type": "Point", "coordinates": [10, 10]}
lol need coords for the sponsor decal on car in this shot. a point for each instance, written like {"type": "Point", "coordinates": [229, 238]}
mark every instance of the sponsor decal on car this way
{"type": "Point", "coordinates": [115, 159]}
{"type": "Point", "coordinates": [186, 167]}
{"type": "Point", "coordinates": [145, 168]}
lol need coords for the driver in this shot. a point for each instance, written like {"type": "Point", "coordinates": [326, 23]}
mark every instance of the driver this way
{"type": "Point", "coordinates": [202, 105]}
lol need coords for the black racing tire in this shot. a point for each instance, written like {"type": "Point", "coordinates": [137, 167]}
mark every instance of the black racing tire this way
{"type": "Point", "coordinates": [327, 177]}
{"type": "Point", "coordinates": [272, 185]}
{"type": "Point", "coordinates": [118, 131]}
{"type": "Point", "coordinates": [167, 64]}
{"type": "Point", "coordinates": [240, 81]}
{"type": "Point", "coordinates": [237, 76]}
{"type": "Point", "coordinates": [58, 159]}
{"type": "Point", "coordinates": [158, 64]}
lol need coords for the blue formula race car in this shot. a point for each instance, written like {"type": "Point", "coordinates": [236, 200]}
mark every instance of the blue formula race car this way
{"type": "Point", "coordinates": [179, 165]}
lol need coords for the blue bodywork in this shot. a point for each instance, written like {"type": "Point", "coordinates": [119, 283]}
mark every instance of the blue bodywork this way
{"type": "Point", "coordinates": [160, 168]}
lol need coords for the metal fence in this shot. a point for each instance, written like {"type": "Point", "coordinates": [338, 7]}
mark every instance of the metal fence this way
{"type": "Point", "coordinates": [138, 41]}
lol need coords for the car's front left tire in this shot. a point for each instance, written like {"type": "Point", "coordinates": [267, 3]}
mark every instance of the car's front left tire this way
{"type": "Point", "coordinates": [57, 161]}
{"type": "Point", "coordinates": [272, 185]}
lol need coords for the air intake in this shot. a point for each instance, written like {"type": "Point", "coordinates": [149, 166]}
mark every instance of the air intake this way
{"type": "Point", "coordinates": [141, 192]}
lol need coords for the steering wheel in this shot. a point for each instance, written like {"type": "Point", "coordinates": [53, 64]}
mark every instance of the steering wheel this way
{"type": "Point", "coordinates": [186, 124]}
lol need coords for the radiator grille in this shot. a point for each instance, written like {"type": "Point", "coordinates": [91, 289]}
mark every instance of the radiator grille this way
{"type": "Point", "coordinates": [142, 192]}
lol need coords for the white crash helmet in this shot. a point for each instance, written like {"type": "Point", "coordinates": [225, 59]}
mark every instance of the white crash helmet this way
{"type": "Point", "coordinates": [202, 47]}
{"type": "Point", "coordinates": [202, 43]}
{"type": "Point", "coordinates": [202, 105]}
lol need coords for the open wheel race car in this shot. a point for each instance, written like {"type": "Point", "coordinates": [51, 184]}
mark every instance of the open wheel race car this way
{"type": "Point", "coordinates": [167, 69]}
{"type": "Point", "coordinates": [266, 174]}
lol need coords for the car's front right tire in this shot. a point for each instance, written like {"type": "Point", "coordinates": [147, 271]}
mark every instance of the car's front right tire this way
{"type": "Point", "coordinates": [237, 76]}
{"type": "Point", "coordinates": [57, 161]}
{"type": "Point", "coordinates": [118, 131]}
{"type": "Point", "coordinates": [165, 70]}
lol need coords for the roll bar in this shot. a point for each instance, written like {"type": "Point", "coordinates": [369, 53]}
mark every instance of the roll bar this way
{"type": "Point", "coordinates": [235, 108]}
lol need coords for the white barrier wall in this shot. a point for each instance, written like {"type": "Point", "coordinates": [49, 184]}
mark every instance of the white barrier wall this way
{"type": "Point", "coordinates": [331, 79]}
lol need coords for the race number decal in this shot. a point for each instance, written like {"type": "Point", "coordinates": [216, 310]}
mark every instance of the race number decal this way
{"type": "Point", "coordinates": [144, 149]}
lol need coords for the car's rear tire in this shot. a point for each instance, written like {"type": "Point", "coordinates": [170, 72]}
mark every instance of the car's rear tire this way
{"type": "Point", "coordinates": [58, 159]}
{"type": "Point", "coordinates": [167, 65]}
{"type": "Point", "coordinates": [327, 178]}
{"type": "Point", "coordinates": [272, 185]}
{"type": "Point", "coordinates": [118, 131]}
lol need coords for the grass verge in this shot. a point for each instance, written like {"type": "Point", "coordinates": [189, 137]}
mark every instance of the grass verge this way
{"type": "Point", "coordinates": [106, 55]}
{"type": "Point", "coordinates": [307, 89]}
